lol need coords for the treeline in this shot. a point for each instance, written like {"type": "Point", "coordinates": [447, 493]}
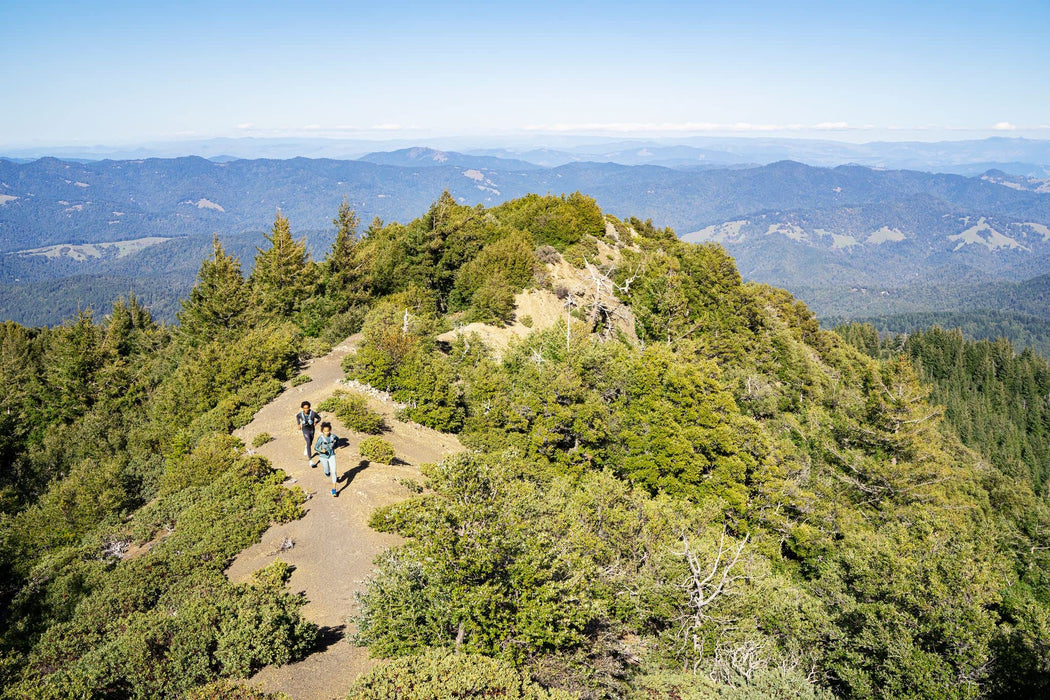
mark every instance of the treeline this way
{"type": "Point", "coordinates": [996, 399]}
{"type": "Point", "coordinates": [52, 301]}
{"type": "Point", "coordinates": [1023, 330]}
{"type": "Point", "coordinates": [986, 310]}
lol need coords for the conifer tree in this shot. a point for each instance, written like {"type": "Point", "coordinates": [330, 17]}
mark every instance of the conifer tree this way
{"type": "Point", "coordinates": [75, 354]}
{"type": "Point", "coordinates": [339, 265]}
{"type": "Point", "coordinates": [218, 302]}
{"type": "Point", "coordinates": [283, 275]}
{"type": "Point", "coordinates": [18, 373]}
{"type": "Point", "coordinates": [127, 317]}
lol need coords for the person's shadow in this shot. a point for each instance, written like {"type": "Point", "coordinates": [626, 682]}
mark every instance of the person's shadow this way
{"type": "Point", "coordinates": [349, 474]}
{"type": "Point", "coordinates": [327, 636]}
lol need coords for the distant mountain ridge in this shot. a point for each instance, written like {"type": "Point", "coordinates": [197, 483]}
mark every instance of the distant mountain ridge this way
{"type": "Point", "coordinates": [1016, 156]}
{"type": "Point", "coordinates": [51, 201]}
{"type": "Point", "coordinates": [787, 223]}
{"type": "Point", "coordinates": [430, 157]}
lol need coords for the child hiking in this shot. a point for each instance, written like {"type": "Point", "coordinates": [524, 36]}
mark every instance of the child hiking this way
{"type": "Point", "coordinates": [305, 420]}
{"type": "Point", "coordinates": [325, 447]}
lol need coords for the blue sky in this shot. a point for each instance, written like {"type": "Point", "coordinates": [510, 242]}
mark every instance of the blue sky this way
{"type": "Point", "coordinates": [123, 72]}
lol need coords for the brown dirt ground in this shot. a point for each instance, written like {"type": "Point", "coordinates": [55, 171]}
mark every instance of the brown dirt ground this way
{"type": "Point", "coordinates": [333, 547]}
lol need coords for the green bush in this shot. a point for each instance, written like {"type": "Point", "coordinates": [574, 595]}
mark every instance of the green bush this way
{"type": "Point", "coordinates": [157, 625]}
{"type": "Point", "coordinates": [493, 301]}
{"type": "Point", "coordinates": [488, 283]}
{"type": "Point", "coordinates": [764, 684]}
{"type": "Point", "coordinates": [352, 409]}
{"type": "Point", "coordinates": [441, 674]}
{"type": "Point", "coordinates": [211, 457]}
{"type": "Point", "coordinates": [227, 690]}
{"type": "Point", "coordinates": [343, 325]}
{"type": "Point", "coordinates": [301, 379]}
{"type": "Point", "coordinates": [555, 221]}
{"type": "Point", "coordinates": [376, 449]}
{"type": "Point", "coordinates": [261, 439]}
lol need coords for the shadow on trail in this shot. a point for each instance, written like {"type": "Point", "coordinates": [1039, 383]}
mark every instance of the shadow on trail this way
{"type": "Point", "coordinates": [327, 636]}
{"type": "Point", "coordinates": [349, 474]}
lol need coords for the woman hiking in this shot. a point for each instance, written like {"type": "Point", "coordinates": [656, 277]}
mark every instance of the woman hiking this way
{"type": "Point", "coordinates": [325, 447]}
{"type": "Point", "coordinates": [306, 419]}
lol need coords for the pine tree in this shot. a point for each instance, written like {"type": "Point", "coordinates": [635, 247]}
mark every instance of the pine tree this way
{"type": "Point", "coordinates": [19, 373]}
{"type": "Point", "coordinates": [218, 302]}
{"type": "Point", "coordinates": [75, 354]}
{"type": "Point", "coordinates": [128, 317]}
{"type": "Point", "coordinates": [339, 265]}
{"type": "Point", "coordinates": [283, 276]}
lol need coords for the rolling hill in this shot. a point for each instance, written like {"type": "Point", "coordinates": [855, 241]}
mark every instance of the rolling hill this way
{"type": "Point", "coordinates": [810, 229]}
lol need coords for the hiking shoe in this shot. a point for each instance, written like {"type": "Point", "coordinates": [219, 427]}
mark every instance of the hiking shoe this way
{"type": "Point", "coordinates": [333, 492]}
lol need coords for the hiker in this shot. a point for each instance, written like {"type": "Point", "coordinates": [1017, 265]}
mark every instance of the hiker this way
{"type": "Point", "coordinates": [325, 447]}
{"type": "Point", "coordinates": [306, 419]}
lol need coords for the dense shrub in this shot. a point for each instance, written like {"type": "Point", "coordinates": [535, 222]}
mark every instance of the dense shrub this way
{"type": "Point", "coordinates": [487, 284]}
{"type": "Point", "coordinates": [261, 439]}
{"type": "Point", "coordinates": [376, 449]}
{"type": "Point", "coordinates": [555, 221]}
{"type": "Point", "coordinates": [227, 690]}
{"type": "Point", "coordinates": [440, 674]}
{"type": "Point", "coordinates": [160, 624]}
{"type": "Point", "coordinates": [352, 409]}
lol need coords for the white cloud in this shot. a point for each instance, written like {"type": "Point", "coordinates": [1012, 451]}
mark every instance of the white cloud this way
{"type": "Point", "coordinates": [316, 130]}
{"type": "Point", "coordinates": [738, 127]}
{"type": "Point", "coordinates": [1004, 126]}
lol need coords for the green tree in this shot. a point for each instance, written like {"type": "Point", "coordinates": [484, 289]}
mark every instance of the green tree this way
{"type": "Point", "coordinates": [283, 276]}
{"type": "Point", "coordinates": [75, 355]}
{"type": "Point", "coordinates": [340, 263]}
{"type": "Point", "coordinates": [218, 302]}
{"type": "Point", "coordinates": [125, 326]}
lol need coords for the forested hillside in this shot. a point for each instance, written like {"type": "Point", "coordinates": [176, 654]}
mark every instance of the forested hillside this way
{"type": "Point", "coordinates": [996, 398]}
{"type": "Point", "coordinates": [883, 241]}
{"type": "Point", "coordinates": [677, 484]}
{"type": "Point", "coordinates": [1023, 330]}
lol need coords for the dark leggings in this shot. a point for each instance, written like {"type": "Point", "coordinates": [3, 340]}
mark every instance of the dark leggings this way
{"type": "Point", "coordinates": [309, 435]}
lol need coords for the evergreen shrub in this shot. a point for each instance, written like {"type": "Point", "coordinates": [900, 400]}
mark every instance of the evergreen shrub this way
{"type": "Point", "coordinates": [440, 674]}
{"type": "Point", "coordinates": [261, 439]}
{"type": "Point", "coordinates": [352, 409]}
{"type": "Point", "coordinates": [376, 449]}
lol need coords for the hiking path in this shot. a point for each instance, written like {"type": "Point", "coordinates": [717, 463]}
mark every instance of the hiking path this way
{"type": "Point", "coordinates": [331, 547]}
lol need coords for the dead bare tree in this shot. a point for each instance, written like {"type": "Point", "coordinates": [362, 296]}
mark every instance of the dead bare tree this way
{"type": "Point", "coordinates": [570, 304]}
{"type": "Point", "coordinates": [743, 659]}
{"type": "Point", "coordinates": [705, 584]}
{"type": "Point", "coordinates": [605, 308]}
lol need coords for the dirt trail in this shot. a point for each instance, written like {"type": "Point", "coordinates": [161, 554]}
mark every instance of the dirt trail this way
{"type": "Point", "coordinates": [332, 546]}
